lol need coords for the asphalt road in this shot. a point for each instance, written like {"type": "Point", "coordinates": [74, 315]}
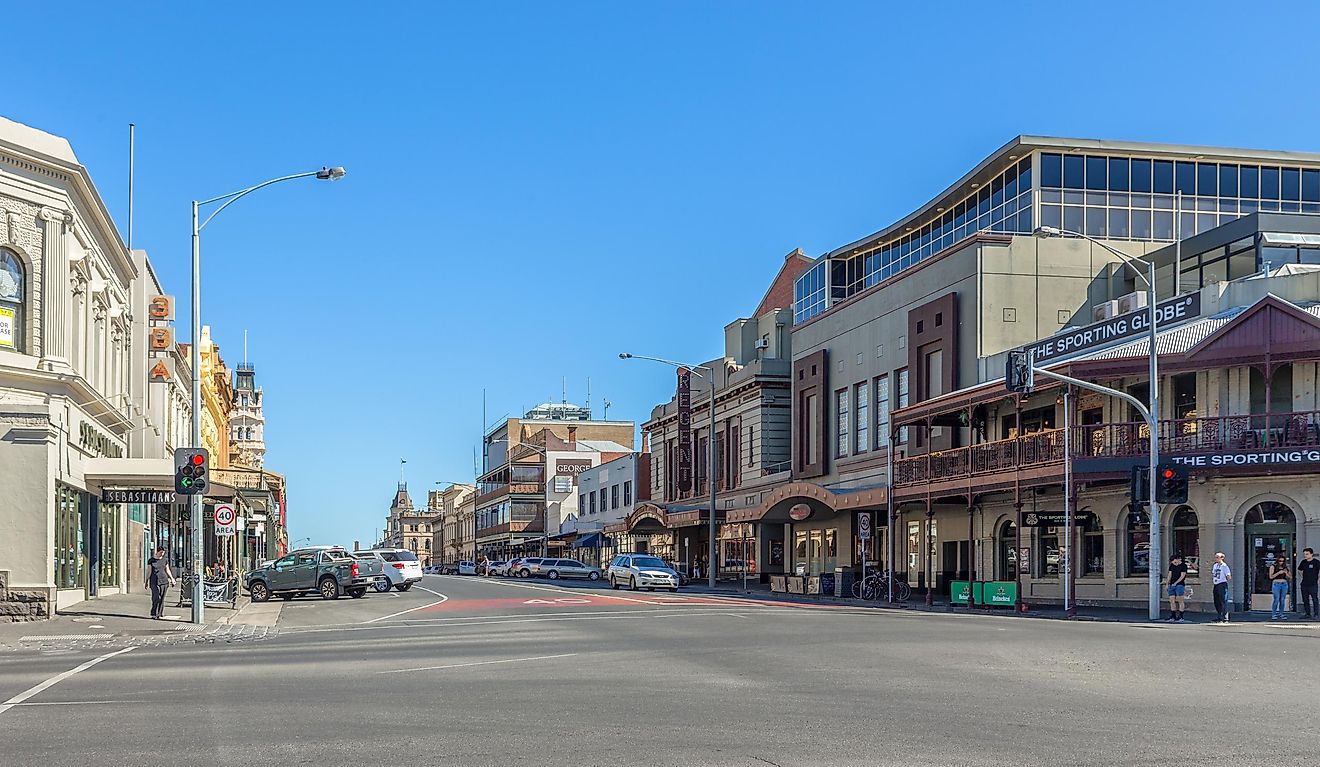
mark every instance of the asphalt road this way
{"type": "Point", "coordinates": [472, 672]}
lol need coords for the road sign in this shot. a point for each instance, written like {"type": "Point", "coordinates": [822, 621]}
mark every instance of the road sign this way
{"type": "Point", "coordinates": [864, 525]}
{"type": "Point", "coordinates": [225, 519]}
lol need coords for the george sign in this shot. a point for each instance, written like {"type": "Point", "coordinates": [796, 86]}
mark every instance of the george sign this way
{"type": "Point", "coordinates": [1251, 458]}
{"type": "Point", "coordinates": [145, 495]}
{"type": "Point", "coordinates": [571, 467]}
{"type": "Point", "coordinates": [864, 525]}
{"type": "Point", "coordinates": [1053, 518]}
{"type": "Point", "coordinates": [161, 308]}
{"type": "Point", "coordinates": [8, 323]}
{"type": "Point", "coordinates": [162, 370]}
{"type": "Point", "coordinates": [799, 512]}
{"type": "Point", "coordinates": [684, 430]}
{"type": "Point", "coordinates": [161, 339]}
{"type": "Point", "coordinates": [1118, 328]}
{"type": "Point", "coordinates": [225, 519]}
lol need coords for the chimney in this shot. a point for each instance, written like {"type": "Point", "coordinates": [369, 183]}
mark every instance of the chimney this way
{"type": "Point", "coordinates": [646, 442]}
{"type": "Point", "coordinates": [572, 438]}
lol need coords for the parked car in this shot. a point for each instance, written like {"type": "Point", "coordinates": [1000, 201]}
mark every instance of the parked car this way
{"type": "Point", "coordinates": [525, 567]}
{"type": "Point", "coordinates": [498, 567]}
{"type": "Point", "coordinates": [402, 569]}
{"type": "Point", "coordinates": [554, 569]}
{"type": "Point", "coordinates": [467, 567]}
{"type": "Point", "coordinates": [511, 569]}
{"type": "Point", "coordinates": [641, 571]}
{"type": "Point", "coordinates": [432, 570]}
{"type": "Point", "coordinates": [329, 572]}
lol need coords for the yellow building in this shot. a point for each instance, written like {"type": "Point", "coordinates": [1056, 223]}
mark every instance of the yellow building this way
{"type": "Point", "coordinates": [217, 400]}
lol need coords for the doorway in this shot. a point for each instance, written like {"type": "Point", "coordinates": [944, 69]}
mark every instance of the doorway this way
{"type": "Point", "coordinates": [1271, 530]}
{"type": "Point", "coordinates": [956, 564]}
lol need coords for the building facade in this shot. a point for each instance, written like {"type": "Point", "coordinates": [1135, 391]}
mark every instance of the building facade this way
{"type": "Point", "coordinates": [607, 495]}
{"type": "Point", "coordinates": [898, 350]}
{"type": "Point", "coordinates": [247, 420]}
{"type": "Point", "coordinates": [447, 505]}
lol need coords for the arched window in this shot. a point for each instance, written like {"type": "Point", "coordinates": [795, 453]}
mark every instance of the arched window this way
{"type": "Point", "coordinates": [12, 317]}
{"type": "Point", "coordinates": [1007, 549]}
{"type": "Point", "coordinates": [1137, 543]}
{"type": "Point", "coordinates": [1186, 538]}
{"type": "Point", "coordinates": [1270, 512]}
{"type": "Point", "coordinates": [1093, 545]}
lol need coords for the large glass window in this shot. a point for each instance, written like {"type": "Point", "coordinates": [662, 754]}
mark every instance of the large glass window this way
{"type": "Point", "coordinates": [1137, 543]}
{"type": "Point", "coordinates": [842, 417]}
{"type": "Point", "coordinates": [863, 399]}
{"type": "Point", "coordinates": [70, 551]}
{"type": "Point", "coordinates": [1049, 554]}
{"type": "Point", "coordinates": [12, 282]}
{"type": "Point", "coordinates": [1093, 546]}
{"type": "Point", "coordinates": [1006, 566]}
{"type": "Point", "coordinates": [1187, 539]}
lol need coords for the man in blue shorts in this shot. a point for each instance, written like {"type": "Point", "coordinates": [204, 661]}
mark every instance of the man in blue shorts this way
{"type": "Point", "coordinates": [1177, 588]}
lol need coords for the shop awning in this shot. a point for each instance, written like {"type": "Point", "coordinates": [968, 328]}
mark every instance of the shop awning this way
{"type": "Point", "coordinates": [589, 541]}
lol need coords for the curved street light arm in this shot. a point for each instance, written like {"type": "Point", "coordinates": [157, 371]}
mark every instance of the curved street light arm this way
{"type": "Point", "coordinates": [234, 197]}
{"type": "Point", "coordinates": [1128, 260]}
{"type": "Point", "coordinates": [674, 363]}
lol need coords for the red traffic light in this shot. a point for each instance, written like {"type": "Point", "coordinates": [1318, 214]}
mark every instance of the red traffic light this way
{"type": "Point", "coordinates": [198, 460]}
{"type": "Point", "coordinates": [1168, 473]}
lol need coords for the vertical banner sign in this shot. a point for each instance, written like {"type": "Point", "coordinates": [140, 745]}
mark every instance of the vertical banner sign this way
{"type": "Point", "coordinates": [684, 430]}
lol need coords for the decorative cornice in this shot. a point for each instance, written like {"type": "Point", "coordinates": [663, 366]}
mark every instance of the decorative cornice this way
{"type": "Point", "coordinates": [56, 214]}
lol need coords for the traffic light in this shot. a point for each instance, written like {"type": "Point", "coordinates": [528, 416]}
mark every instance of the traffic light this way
{"type": "Point", "coordinates": [1172, 485]}
{"type": "Point", "coordinates": [191, 468]}
{"type": "Point", "coordinates": [1139, 490]}
{"type": "Point", "coordinates": [1018, 375]}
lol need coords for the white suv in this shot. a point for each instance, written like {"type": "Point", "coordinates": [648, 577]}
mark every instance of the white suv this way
{"type": "Point", "coordinates": [641, 571]}
{"type": "Point", "coordinates": [402, 569]}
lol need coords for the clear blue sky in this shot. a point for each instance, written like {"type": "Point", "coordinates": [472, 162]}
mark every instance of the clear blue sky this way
{"type": "Point", "coordinates": [534, 187]}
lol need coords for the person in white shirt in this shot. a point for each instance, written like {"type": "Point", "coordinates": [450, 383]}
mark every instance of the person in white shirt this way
{"type": "Point", "coordinates": [1220, 575]}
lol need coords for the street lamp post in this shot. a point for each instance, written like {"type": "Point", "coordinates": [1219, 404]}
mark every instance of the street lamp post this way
{"type": "Point", "coordinates": [711, 567]}
{"type": "Point", "coordinates": [1152, 418]}
{"type": "Point", "coordinates": [225, 200]}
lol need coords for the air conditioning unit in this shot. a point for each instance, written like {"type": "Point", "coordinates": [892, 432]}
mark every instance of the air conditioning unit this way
{"type": "Point", "coordinates": [1105, 311]}
{"type": "Point", "coordinates": [763, 343]}
{"type": "Point", "coordinates": [1131, 302]}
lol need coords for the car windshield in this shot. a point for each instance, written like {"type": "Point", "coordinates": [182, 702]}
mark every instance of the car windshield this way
{"type": "Point", "coordinates": [649, 562]}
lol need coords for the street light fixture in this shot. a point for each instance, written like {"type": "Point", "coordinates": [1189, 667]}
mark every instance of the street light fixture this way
{"type": "Point", "coordinates": [711, 562]}
{"type": "Point", "coordinates": [326, 173]}
{"type": "Point", "coordinates": [1152, 418]}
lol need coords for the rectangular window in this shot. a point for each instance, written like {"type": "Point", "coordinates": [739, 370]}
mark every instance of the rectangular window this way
{"type": "Point", "coordinates": [582, 503]}
{"type": "Point", "coordinates": [841, 423]}
{"type": "Point", "coordinates": [751, 445]}
{"type": "Point", "coordinates": [614, 497]}
{"type": "Point", "coordinates": [810, 441]}
{"type": "Point", "coordinates": [1141, 176]}
{"type": "Point", "coordinates": [593, 503]}
{"type": "Point", "coordinates": [862, 397]}
{"type": "Point", "coordinates": [627, 492]}
{"type": "Point", "coordinates": [882, 410]}
{"type": "Point", "coordinates": [903, 401]}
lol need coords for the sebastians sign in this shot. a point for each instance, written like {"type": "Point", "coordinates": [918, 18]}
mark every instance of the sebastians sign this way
{"type": "Point", "coordinates": [1173, 311]}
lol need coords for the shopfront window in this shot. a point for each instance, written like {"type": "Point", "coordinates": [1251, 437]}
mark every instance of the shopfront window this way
{"type": "Point", "coordinates": [70, 554]}
{"type": "Point", "coordinates": [1137, 543]}
{"type": "Point", "coordinates": [107, 566]}
{"type": "Point", "coordinates": [1093, 546]}
{"type": "Point", "coordinates": [12, 280]}
{"type": "Point", "coordinates": [1187, 538]}
{"type": "Point", "coordinates": [913, 550]}
{"type": "Point", "coordinates": [1007, 564]}
{"type": "Point", "coordinates": [1050, 553]}
{"type": "Point", "coordinates": [815, 551]}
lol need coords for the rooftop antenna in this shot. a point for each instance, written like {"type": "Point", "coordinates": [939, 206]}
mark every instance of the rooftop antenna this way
{"type": "Point", "coordinates": [563, 398]}
{"type": "Point", "coordinates": [244, 346]}
{"type": "Point", "coordinates": [607, 410]}
{"type": "Point", "coordinates": [588, 396]}
{"type": "Point", "coordinates": [131, 129]}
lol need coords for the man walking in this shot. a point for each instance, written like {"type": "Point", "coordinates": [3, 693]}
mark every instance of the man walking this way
{"type": "Point", "coordinates": [1220, 575]}
{"type": "Point", "coordinates": [161, 579]}
{"type": "Point", "coordinates": [1308, 582]}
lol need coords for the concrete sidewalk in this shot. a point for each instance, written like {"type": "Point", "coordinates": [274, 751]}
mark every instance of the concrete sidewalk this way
{"type": "Point", "coordinates": [941, 605]}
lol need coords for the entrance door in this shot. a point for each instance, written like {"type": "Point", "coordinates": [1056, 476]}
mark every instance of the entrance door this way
{"type": "Point", "coordinates": [1265, 550]}
{"type": "Point", "coordinates": [955, 562]}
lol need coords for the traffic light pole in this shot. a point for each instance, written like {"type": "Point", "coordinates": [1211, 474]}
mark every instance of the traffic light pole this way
{"type": "Point", "coordinates": [1148, 415]}
{"type": "Point", "coordinates": [195, 500]}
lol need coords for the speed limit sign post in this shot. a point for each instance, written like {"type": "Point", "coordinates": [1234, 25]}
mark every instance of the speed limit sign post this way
{"type": "Point", "coordinates": [225, 519]}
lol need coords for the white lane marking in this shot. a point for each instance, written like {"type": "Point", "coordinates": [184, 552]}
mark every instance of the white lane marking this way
{"type": "Point", "coordinates": [459, 619]}
{"type": "Point", "coordinates": [441, 601]}
{"type": "Point", "coordinates": [494, 620]}
{"type": "Point", "coordinates": [72, 702]}
{"type": "Point", "coordinates": [37, 689]}
{"type": "Point", "coordinates": [478, 663]}
{"type": "Point", "coordinates": [572, 592]}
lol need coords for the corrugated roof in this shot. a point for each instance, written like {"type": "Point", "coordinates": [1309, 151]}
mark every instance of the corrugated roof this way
{"type": "Point", "coordinates": [1177, 340]}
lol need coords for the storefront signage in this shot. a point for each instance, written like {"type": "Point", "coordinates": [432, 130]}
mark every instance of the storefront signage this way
{"type": "Point", "coordinates": [571, 468]}
{"type": "Point", "coordinates": [684, 430]}
{"type": "Point", "coordinates": [799, 512]}
{"type": "Point", "coordinates": [999, 593]}
{"type": "Point", "coordinates": [97, 443]}
{"type": "Point", "coordinates": [111, 495]}
{"type": "Point", "coordinates": [1252, 458]}
{"type": "Point", "coordinates": [7, 323]}
{"type": "Point", "coordinates": [161, 308]}
{"type": "Point", "coordinates": [1175, 310]}
{"type": "Point", "coordinates": [1053, 518]}
{"type": "Point", "coordinates": [960, 592]}
{"type": "Point", "coordinates": [161, 371]}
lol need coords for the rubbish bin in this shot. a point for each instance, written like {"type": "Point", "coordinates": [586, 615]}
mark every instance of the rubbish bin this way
{"type": "Point", "coordinates": [843, 581]}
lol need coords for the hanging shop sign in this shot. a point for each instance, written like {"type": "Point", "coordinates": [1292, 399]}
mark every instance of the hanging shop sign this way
{"type": "Point", "coordinates": [144, 495]}
{"type": "Point", "coordinates": [799, 512]}
{"type": "Point", "coordinates": [1251, 458]}
{"type": "Point", "coordinates": [1053, 518]}
{"type": "Point", "coordinates": [1173, 311]}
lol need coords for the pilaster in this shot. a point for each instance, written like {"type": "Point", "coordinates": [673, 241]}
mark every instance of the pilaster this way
{"type": "Point", "coordinates": [55, 293]}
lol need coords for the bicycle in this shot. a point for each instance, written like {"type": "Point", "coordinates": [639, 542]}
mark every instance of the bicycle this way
{"type": "Point", "coordinates": [876, 586]}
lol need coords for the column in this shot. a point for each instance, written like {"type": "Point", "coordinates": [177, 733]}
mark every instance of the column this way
{"type": "Point", "coordinates": [55, 288]}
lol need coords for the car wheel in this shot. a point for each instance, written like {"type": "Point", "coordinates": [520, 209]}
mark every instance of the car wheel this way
{"type": "Point", "coordinates": [287, 597]}
{"type": "Point", "coordinates": [260, 591]}
{"type": "Point", "coordinates": [403, 586]}
{"type": "Point", "coordinates": [358, 593]}
{"type": "Point", "coordinates": [524, 573]}
{"type": "Point", "coordinates": [383, 585]}
{"type": "Point", "coordinates": [329, 588]}
{"type": "Point", "coordinates": [553, 575]}
{"type": "Point", "coordinates": [613, 583]}
{"type": "Point", "coordinates": [632, 583]}
{"type": "Point", "coordinates": [593, 576]}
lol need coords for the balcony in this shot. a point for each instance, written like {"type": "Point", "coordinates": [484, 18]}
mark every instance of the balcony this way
{"type": "Point", "coordinates": [1183, 436]}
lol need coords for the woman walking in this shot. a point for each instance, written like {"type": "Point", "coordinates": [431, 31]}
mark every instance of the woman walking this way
{"type": "Point", "coordinates": [161, 579]}
{"type": "Point", "coordinates": [1280, 576]}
